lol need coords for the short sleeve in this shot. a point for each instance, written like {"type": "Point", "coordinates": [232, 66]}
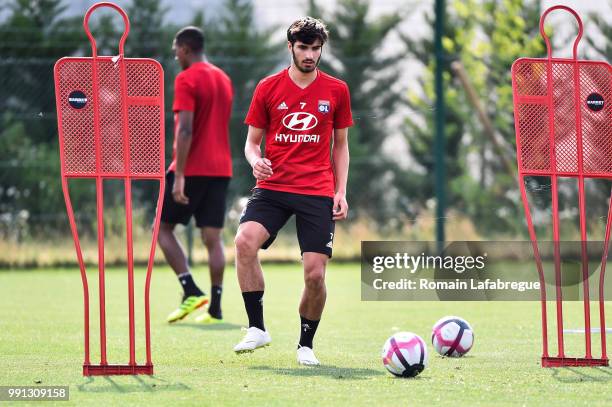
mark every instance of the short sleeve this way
{"type": "Point", "coordinates": [184, 95]}
{"type": "Point", "coordinates": [258, 114]}
{"type": "Point", "coordinates": [342, 116]}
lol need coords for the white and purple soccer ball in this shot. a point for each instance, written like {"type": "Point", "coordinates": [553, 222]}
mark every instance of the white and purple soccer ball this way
{"type": "Point", "coordinates": [405, 354]}
{"type": "Point", "coordinates": [452, 336]}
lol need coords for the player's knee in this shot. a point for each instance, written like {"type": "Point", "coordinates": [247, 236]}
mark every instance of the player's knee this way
{"type": "Point", "coordinates": [211, 240]}
{"type": "Point", "coordinates": [165, 232]}
{"type": "Point", "coordinates": [245, 245]}
{"type": "Point", "coordinates": [212, 243]}
{"type": "Point", "coordinates": [315, 277]}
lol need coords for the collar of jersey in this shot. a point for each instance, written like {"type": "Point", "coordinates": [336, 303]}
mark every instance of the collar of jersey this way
{"type": "Point", "coordinates": [296, 85]}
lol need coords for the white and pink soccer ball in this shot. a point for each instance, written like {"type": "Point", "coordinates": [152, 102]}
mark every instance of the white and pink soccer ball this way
{"type": "Point", "coordinates": [452, 336]}
{"type": "Point", "coordinates": [405, 354]}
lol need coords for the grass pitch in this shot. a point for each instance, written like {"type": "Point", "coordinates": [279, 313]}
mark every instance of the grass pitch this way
{"type": "Point", "coordinates": [41, 343]}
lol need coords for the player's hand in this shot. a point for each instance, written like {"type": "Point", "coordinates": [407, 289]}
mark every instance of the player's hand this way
{"type": "Point", "coordinates": [262, 169]}
{"type": "Point", "coordinates": [340, 206]}
{"type": "Point", "coordinates": [178, 190]}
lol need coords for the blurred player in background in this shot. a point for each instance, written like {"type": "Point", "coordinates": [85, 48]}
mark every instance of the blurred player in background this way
{"type": "Point", "coordinates": [301, 111]}
{"type": "Point", "coordinates": [198, 178]}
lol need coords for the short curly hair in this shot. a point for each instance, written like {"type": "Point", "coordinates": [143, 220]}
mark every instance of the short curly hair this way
{"type": "Point", "coordinates": [192, 37]}
{"type": "Point", "coordinates": [307, 30]}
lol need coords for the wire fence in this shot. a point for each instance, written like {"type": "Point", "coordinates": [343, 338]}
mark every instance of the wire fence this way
{"type": "Point", "coordinates": [31, 204]}
{"type": "Point", "coordinates": [391, 188]}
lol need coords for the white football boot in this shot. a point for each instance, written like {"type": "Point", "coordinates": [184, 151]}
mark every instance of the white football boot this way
{"type": "Point", "coordinates": [305, 356]}
{"type": "Point", "coordinates": [254, 338]}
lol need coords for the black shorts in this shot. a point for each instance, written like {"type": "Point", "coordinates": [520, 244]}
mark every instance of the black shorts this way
{"type": "Point", "coordinates": [313, 217]}
{"type": "Point", "coordinates": [206, 201]}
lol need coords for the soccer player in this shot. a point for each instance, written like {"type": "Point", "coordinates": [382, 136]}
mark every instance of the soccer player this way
{"type": "Point", "coordinates": [301, 111]}
{"type": "Point", "coordinates": [197, 179]}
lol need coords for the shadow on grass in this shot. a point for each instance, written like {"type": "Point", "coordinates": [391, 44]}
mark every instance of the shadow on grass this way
{"type": "Point", "coordinates": [438, 356]}
{"type": "Point", "coordinates": [212, 327]}
{"type": "Point", "coordinates": [136, 384]}
{"type": "Point", "coordinates": [333, 372]}
{"type": "Point", "coordinates": [582, 374]}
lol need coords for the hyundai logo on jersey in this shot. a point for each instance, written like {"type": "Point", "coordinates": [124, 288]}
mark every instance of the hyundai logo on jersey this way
{"type": "Point", "coordinates": [300, 121]}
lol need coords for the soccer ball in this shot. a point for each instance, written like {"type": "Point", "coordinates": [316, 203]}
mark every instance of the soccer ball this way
{"type": "Point", "coordinates": [405, 354]}
{"type": "Point", "coordinates": [452, 336]}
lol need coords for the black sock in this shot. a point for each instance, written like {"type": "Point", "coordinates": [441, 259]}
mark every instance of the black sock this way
{"type": "Point", "coordinates": [253, 303]}
{"type": "Point", "coordinates": [215, 302]}
{"type": "Point", "coordinates": [308, 328]}
{"type": "Point", "coordinates": [189, 286]}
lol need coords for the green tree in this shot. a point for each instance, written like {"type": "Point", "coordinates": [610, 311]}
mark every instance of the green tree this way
{"type": "Point", "coordinates": [105, 31]}
{"type": "Point", "coordinates": [150, 36]}
{"type": "Point", "coordinates": [33, 36]}
{"type": "Point", "coordinates": [602, 49]}
{"type": "Point", "coordinates": [485, 36]}
{"type": "Point", "coordinates": [355, 56]}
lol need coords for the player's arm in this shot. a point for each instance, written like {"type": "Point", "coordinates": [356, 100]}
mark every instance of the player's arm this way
{"type": "Point", "coordinates": [262, 167]}
{"type": "Point", "coordinates": [183, 137]}
{"type": "Point", "coordinates": [340, 158]}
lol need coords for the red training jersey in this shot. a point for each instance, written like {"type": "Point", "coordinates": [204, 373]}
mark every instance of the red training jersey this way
{"type": "Point", "coordinates": [205, 90]}
{"type": "Point", "coordinates": [299, 127]}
